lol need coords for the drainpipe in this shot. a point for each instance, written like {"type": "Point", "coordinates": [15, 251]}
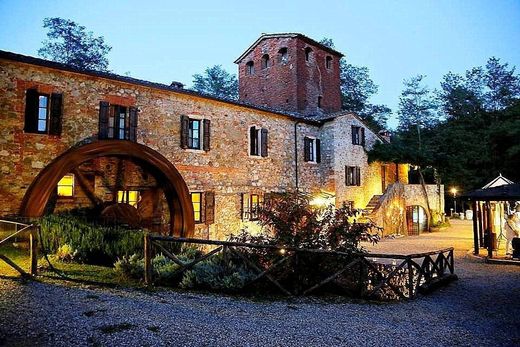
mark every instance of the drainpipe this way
{"type": "Point", "coordinates": [296, 155]}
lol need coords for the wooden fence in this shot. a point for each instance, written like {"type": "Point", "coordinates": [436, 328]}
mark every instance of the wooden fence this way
{"type": "Point", "coordinates": [19, 229]}
{"type": "Point", "coordinates": [366, 275]}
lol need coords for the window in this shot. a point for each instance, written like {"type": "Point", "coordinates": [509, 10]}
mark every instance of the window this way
{"type": "Point", "coordinates": [319, 101]}
{"type": "Point", "coordinates": [283, 55]}
{"type": "Point", "coordinates": [196, 200]}
{"type": "Point", "coordinates": [312, 150]}
{"type": "Point", "coordinates": [258, 141]}
{"type": "Point", "coordinates": [308, 54]}
{"type": "Point", "coordinates": [117, 122]}
{"type": "Point", "coordinates": [130, 197]}
{"type": "Point", "coordinates": [265, 61]}
{"type": "Point", "coordinates": [251, 203]}
{"type": "Point", "coordinates": [66, 186]}
{"type": "Point", "coordinates": [195, 133]}
{"type": "Point", "coordinates": [328, 62]}
{"type": "Point", "coordinates": [43, 113]}
{"type": "Point", "coordinates": [352, 176]}
{"type": "Point", "coordinates": [250, 68]}
{"type": "Point", "coordinates": [358, 135]}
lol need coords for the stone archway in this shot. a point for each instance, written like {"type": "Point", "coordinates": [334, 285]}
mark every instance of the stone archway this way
{"type": "Point", "coordinates": [175, 189]}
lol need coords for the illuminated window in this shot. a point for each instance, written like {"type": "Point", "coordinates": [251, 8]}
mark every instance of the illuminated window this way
{"type": "Point", "coordinates": [254, 205]}
{"type": "Point", "coordinates": [130, 197]}
{"type": "Point", "coordinates": [196, 200]}
{"type": "Point", "coordinates": [66, 186]}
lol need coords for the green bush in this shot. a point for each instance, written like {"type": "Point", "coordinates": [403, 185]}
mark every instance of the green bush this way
{"type": "Point", "coordinates": [93, 243]}
{"type": "Point", "coordinates": [164, 268]}
{"type": "Point", "coordinates": [217, 273]}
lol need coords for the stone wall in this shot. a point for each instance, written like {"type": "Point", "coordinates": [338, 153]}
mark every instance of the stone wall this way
{"type": "Point", "coordinates": [414, 195]}
{"type": "Point", "coordinates": [227, 169]}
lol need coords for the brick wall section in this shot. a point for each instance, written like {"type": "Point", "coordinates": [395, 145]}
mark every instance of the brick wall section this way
{"type": "Point", "coordinates": [293, 85]}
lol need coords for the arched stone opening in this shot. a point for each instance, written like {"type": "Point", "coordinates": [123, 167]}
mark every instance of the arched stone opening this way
{"type": "Point", "coordinates": [175, 190]}
{"type": "Point", "coordinates": [417, 219]}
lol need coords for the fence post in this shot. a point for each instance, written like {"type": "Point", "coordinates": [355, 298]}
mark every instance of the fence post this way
{"type": "Point", "coordinates": [33, 243]}
{"type": "Point", "coordinates": [148, 271]}
{"type": "Point", "coordinates": [410, 278]}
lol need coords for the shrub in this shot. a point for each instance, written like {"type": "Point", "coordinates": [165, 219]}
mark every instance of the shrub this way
{"type": "Point", "coordinates": [163, 267]}
{"type": "Point", "coordinates": [93, 243]}
{"type": "Point", "coordinates": [217, 273]}
{"type": "Point", "coordinates": [66, 253]}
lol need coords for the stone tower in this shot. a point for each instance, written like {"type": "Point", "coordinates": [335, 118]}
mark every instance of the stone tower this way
{"type": "Point", "coordinates": [290, 72]}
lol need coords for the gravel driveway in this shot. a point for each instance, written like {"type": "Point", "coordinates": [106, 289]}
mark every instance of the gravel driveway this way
{"type": "Point", "coordinates": [481, 309]}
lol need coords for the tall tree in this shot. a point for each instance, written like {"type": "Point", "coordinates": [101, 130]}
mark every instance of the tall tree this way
{"type": "Point", "coordinates": [356, 90]}
{"type": "Point", "coordinates": [217, 82]}
{"type": "Point", "coordinates": [503, 85]}
{"type": "Point", "coordinates": [417, 107]}
{"type": "Point", "coordinates": [68, 42]}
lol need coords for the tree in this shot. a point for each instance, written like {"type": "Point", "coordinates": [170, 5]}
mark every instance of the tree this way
{"type": "Point", "coordinates": [217, 82]}
{"type": "Point", "coordinates": [68, 42]}
{"type": "Point", "coordinates": [417, 107]}
{"type": "Point", "coordinates": [356, 90]}
{"type": "Point", "coordinates": [503, 85]}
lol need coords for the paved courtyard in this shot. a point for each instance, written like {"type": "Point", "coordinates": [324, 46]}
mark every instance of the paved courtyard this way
{"type": "Point", "coordinates": [481, 309]}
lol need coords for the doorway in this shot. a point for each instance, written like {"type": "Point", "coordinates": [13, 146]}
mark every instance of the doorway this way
{"type": "Point", "coordinates": [416, 219]}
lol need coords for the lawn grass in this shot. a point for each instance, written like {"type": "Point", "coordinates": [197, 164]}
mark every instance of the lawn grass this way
{"type": "Point", "coordinates": [94, 274]}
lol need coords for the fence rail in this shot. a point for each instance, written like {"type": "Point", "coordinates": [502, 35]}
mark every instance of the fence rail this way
{"type": "Point", "coordinates": [368, 275]}
{"type": "Point", "coordinates": [32, 230]}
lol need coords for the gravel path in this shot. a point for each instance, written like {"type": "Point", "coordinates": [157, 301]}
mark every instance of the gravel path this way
{"type": "Point", "coordinates": [481, 309]}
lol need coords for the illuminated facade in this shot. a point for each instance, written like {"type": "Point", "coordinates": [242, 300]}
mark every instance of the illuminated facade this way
{"type": "Point", "coordinates": [230, 154]}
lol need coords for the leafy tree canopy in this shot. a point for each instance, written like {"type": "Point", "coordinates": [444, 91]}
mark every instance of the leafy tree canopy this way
{"type": "Point", "coordinates": [217, 82]}
{"type": "Point", "coordinates": [417, 106]}
{"type": "Point", "coordinates": [68, 42]}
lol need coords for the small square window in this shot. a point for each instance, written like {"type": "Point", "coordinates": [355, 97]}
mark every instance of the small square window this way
{"type": "Point", "coordinates": [66, 186]}
{"type": "Point", "coordinates": [130, 197]}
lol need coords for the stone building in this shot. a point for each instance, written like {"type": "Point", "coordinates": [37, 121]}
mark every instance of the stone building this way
{"type": "Point", "coordinates": [182, 162]}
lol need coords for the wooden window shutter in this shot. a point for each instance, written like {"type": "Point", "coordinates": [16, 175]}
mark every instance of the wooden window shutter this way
{"type": "Point", "coordinates": [358, 176]}
{"type": "Point", "coordinates": [306, 149]}
{"type": "Point", "coordinates": [206, 137]}
{"type": "Point", "coordinates": [318, 151]}
{"type": "Point", "coordinates": [252, 141]}
{"type": "Point", "coordinates": [185, 124]}
{"type": "Point", "coordinates": [133, 114]}
{"type": "Point", "coordinates": [56, 114]}
{"type": "Point", "coordinates": [264, 143]}
{"type": "Point", "coordinates": [362, 136]}
{"type": "Point", "coordinates": [346, 175]}
{"type": "Point", "coordinates": [245, 206]}
{"type": "Point", "coordinates": [104, 110]}
{"type": "Point", "coordinates": [31, 111]}
{"type": "Point", "coordinates": [354, 131]}
{"type": "Point", "coordinates": [209, 208]}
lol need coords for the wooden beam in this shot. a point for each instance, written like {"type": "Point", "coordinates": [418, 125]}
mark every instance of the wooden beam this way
{"type": "Point", "coordinates": [475, 228]}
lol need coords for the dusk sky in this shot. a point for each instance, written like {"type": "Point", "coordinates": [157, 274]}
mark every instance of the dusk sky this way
{"type": "Point", "coordinates": [164, 41]}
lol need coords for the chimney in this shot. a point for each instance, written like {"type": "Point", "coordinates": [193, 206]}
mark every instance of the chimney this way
{"type": "Point", "coordinates": [177, 85]}
{"type": "Point", "coordinates": [385, 134]}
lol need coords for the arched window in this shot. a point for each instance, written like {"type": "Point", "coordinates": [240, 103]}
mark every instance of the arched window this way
{"type": "Point", "coordinates": [283, 55]}
{"type": "Point", "coordinates": [328, 62]}
{"type": "Point", "coordinates": [250, 68]}
{"type": "Point", "coordinates": [308, 53]}
{"type": "Point", "coordinates": [265, 61]}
